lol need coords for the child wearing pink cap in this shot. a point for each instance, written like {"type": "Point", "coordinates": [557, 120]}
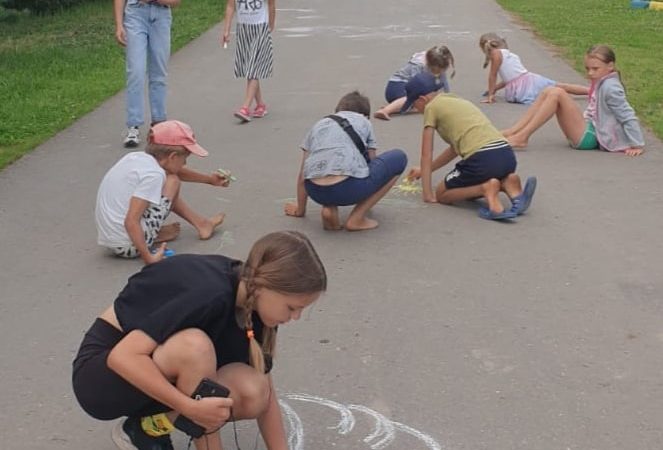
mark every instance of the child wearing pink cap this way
{"type": "Point", "coordinates": [141, 189]}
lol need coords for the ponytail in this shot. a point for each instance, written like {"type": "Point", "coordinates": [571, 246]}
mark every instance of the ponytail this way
{"type": "Point", "coordinates": [488, 42]}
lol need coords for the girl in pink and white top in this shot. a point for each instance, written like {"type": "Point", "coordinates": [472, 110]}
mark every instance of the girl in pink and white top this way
{"type": "Point", "coordinates": [520, 85]}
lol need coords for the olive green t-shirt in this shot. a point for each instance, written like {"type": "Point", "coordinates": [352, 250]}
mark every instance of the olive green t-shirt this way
{"type": "Point", "coordinates": [460, 124]}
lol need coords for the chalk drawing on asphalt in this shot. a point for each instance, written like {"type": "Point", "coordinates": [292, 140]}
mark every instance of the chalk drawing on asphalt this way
{"type": "Point", "coordinates": [384, 433]}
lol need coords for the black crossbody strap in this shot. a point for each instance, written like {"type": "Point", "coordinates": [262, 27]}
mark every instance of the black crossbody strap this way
{"type": "Point", "coordinates": [345, 124]}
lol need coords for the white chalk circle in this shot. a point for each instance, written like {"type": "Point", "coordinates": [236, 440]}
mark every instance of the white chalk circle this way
{"type": "Point", "coordinates": [383, 434]}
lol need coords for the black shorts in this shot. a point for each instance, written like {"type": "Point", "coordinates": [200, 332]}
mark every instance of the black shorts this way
{"type": "Point", "coordinates": [102, 393]}
{"type": "Point", "coordinates": [481, 167]}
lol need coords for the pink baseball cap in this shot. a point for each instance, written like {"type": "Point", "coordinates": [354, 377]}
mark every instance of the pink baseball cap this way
{"type": "Point", "coordinates": [174, 132]}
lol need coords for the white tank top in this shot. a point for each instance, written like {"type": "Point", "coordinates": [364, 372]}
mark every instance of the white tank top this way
{"type": "Point", "coordinates": [511, 67]}
{"type": "Point", "coordinates": [251, 11]}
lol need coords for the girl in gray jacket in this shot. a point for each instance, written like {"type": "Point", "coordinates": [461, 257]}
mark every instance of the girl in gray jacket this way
{"type": "Point", "coordinates": [608, 123]}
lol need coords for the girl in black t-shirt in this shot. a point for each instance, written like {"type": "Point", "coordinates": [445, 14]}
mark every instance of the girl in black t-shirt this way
{"type": "Point", "coordinates": [191, 317]}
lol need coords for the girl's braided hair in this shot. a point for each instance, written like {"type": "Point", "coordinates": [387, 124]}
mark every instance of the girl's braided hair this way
{"type": "Point", "coordinates": [283, 261]}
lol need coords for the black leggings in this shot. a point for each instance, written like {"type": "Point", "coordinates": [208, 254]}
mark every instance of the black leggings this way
{"type": "Point", "coordinates": [102, 393]}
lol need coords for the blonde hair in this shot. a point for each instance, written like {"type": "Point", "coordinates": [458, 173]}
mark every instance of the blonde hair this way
{"type": "Point", "coordinates": [488, 42]}
{"type": "Point", "coordinates": [605, 54]}
{"type": "Point", "coordinates": [602, 53]}
{"type": "Point", "coordinates": [283, 261]}
{"type": "Point", "coordinates": [440, 57]}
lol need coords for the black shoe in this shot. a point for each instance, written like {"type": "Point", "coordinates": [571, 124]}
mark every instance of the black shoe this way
{"type": "Point", "coordinates": [129, 435]}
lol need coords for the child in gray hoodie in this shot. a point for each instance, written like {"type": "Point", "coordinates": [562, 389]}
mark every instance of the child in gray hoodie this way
{"type": "Point", "coordinates": [608, 123]}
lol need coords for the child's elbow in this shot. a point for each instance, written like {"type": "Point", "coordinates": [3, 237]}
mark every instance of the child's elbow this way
{"type": "Point", "coordinates": [114, 359]}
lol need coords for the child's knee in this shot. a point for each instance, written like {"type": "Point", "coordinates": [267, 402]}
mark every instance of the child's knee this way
{"type": "Point", "coordinates": [556, 91]}
{"type": "Point", "coordinates": [512, 177]}
{"type": "Point", "coordinates": [397, 161]}
{"type": "Point", "coordinates": [492, 185]}
{"type": "Point", "coordinates": [191, 344]}
{"type": "Point", "coordinates": [401, 160]}
{"type": "Point", "coordinates": [252, 393]}
{"type": "Point", "coordinates": [440, 190]}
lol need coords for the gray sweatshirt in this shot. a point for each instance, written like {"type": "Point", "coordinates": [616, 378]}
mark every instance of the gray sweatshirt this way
{"type": "Point", "coordinates": [617, 127]}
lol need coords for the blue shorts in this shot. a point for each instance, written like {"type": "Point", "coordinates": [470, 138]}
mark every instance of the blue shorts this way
{"type": "Point", "coordinates": [481, 167]}
{"type": "Point", "coordinates": [351, 191]}
{"type": "Point", "coordinates": [395, 90]}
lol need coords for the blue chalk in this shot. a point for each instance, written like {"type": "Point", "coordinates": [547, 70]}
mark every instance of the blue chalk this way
{"type": "Point", "coordinates": [166, 253]}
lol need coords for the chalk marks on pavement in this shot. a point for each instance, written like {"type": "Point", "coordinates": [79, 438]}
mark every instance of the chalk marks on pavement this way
{"type": "Point", "coordinates": [383, 434]}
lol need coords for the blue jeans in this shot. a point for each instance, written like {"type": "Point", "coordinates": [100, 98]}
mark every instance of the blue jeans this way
{"type": "Point", "coordinates": [351, 191]}
{"type": "Point", "coordinates": [147, 27]}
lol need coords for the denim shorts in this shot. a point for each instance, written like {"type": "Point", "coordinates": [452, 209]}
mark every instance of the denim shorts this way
{"type": "Point", "coordinates": [395, 90]}
{"type": "Point", "coordinates": [481, 167]}
{"type": "Point", "coordinates": [351, 191]}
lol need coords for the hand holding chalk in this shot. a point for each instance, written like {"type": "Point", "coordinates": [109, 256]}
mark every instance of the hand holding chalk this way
{"type": "Point", "coordinates": [413, 174]}
{"type": "Point", "coordinates": [227, 175]}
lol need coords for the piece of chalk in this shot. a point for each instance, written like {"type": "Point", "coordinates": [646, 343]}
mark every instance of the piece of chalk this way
{"type": "Point", "coordinates": [225, 45]}
{"type": "Point", "coordinates": [226, 174]}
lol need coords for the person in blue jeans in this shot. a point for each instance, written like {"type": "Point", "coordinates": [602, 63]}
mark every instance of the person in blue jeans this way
{"type": "Point", "coordinates": [336, 172]}
{"type": "Point", "coordinates": [143, 27]}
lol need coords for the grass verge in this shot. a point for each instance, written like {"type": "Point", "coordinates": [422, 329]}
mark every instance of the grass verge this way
{"type": "Point", "coordinates": [57, 68]}
{"type": "Point", "coordinates": [634, 34]}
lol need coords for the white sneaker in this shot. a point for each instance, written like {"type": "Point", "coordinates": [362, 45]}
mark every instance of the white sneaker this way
{"type": "Point", "coordinates": [132, 138]}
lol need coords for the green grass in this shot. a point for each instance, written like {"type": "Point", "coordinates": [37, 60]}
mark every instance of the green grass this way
{"type": "Point", "coordinates": [634, 34]}
{"type": "Point", "coordinates": [57, 68]}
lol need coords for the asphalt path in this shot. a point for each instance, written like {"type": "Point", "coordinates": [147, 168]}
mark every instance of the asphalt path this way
{"type": "Point", "coordinates": [439, 329]}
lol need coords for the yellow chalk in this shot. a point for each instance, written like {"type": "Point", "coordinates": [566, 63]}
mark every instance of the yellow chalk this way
{"type": "Point", "coordinates": [409, 186]}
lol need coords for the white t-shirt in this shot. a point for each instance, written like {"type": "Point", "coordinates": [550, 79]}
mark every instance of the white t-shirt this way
{"type": "Point", "coordinates": [137, 174]}
{"type": "Point", "coordinates": [251, 11]}
{"type": "Point", "coordinates": [511, 67]}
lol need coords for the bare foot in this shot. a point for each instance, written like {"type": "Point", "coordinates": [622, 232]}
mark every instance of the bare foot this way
{"type": "Point", "coordinates": [516, 143]}
{"type": "Point", "coordinates": [379, 114]}
{"type": "Point", "coordinates": [364, 224]}
{"type": "Point", "coordinates": [633, 151]}
{"type": "Point", "coordinates": [168, 232]}
{"type": "Point", "coordinates": [491, 190]}
{"type": "Point", "coordinates": [330, 219]}
{"type": "Point", "coordinates": [207, 229]}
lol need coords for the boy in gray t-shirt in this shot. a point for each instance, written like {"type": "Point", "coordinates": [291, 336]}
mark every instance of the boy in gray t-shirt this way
{"type": "Point", "coordinates": [336, 172]}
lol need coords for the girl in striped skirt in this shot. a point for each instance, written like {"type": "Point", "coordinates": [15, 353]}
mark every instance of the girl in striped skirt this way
{"type": "Point", "coordinates": [253, 51]}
